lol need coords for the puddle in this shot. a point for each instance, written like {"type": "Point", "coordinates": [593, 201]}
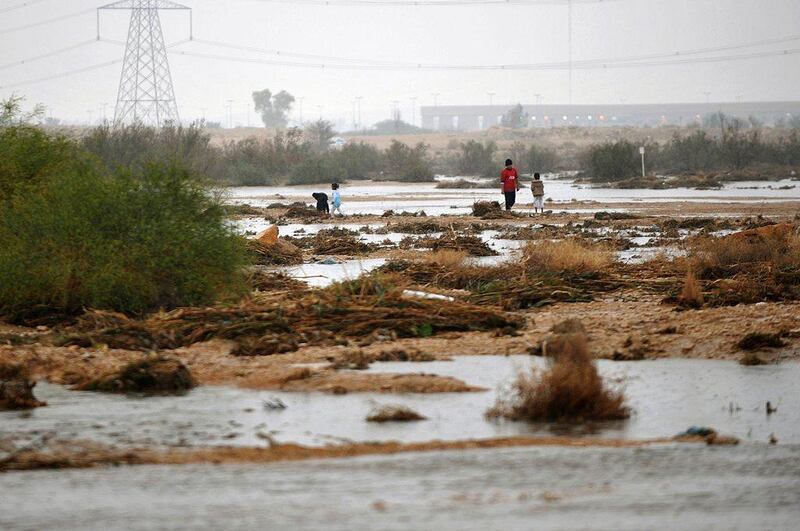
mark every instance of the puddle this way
{"type": "Point", "coordinates": [324, 274]}
{"type": "Point", "coordinates": [667, 397]}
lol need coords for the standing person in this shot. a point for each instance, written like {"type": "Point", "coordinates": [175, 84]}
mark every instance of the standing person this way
{"type": "Point", "coordinates": [322, 202]}
{"type": "Point", "coordinates": [537, 187]}
{"type": "Point", "coordinates": [510, 179]}
{"type": "Point", "coordinates": [337, 200]}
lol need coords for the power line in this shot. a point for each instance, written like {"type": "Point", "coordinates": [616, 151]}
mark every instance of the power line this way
{"type": "Point", "coordinates": [597, 65]}
{"type": "Point", "coordinates": [45, 22]}
{"type": "Point", "coordinates": [675, 57]}
{"type": "Point", "coordinates": [76, 71]}
{"type": "Point", "coordinates": [62, 74]}
{"type": "Point", "coordinates": [48, 54]}
{"type": "Point", "coordinates": [434, 3]}
{"type": "Point", "coordinates": [21, 5]}
{"type": "Point", "coordinates": [295, 55]}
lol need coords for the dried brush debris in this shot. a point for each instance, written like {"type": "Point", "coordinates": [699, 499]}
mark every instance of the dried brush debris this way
{"type": "Point", "coordinates": [394, 414]}
{"type": "Point", "coordinates": [304, 213]}
{"type": "Point", "coordinates": [751, 266]}
{"type": "Point", "coordinates": [759, 341]}
{"type": "Point", "coordinates": [152, 375]}
{"type": "Point", "coordinates": [569, 389]}
{"type": "Point", "coordinates": [279, 253]}
{"type": "Point", "coordinates": [348, 245]}
{"type": "Point", "coordinates": [16, 388]}
{"type": "Point", "coordinates": [481, 208]}
{"type": "Point", "coordinates": [273, 281]}
{"type": "Point", "coordinates": [472, 245]}
{"type": "Point", "coordinates": [751, 359]}
{"type": "Point", "coordinates": [344, 311]}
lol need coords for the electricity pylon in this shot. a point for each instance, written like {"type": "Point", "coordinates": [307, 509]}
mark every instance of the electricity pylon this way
{"type": "Point", "coordinates": [146, 94]}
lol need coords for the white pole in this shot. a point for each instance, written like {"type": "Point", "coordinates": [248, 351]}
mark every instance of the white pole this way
{"type": "Point", "coordinates": [641, 150]}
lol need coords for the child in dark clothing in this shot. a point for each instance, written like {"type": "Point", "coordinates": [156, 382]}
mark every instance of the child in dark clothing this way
{"type": "Point", "coordinates": [322, 202]}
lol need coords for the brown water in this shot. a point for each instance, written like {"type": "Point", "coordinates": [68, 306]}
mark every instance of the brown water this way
{"type": "Point", "coordinates": [671, 487]}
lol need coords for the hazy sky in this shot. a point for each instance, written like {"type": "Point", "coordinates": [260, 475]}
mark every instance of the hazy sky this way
{"type": "Point", "coordinates": [503, 34]}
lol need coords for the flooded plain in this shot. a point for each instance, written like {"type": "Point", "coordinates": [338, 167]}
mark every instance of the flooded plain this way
{"type": "Point", "coordinates": [376, 198]}
{"type": "Point", "coordinates": [666, 396]}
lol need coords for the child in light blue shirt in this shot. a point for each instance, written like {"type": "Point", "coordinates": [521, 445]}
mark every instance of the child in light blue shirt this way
{"type": "Point", "coordinates": [336, 200]}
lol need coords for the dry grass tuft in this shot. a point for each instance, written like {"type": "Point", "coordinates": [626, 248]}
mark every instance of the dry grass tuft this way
{"type": "Point", "coordinates": [447, 258]}
{"type": "Point", "coordinates": [570, 389]}
{"type": "Point", "coordinates": [692, 293]}
{"type": "Point", "coordinates": [751, 266]}
{"type": "Point", "coordinates": [567, 255]}
{"type": "Point", "coordinates": [394, 414]}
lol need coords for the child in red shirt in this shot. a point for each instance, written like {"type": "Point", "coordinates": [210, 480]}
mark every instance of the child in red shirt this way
{"type": "Point", "coordinates": [510, 179]}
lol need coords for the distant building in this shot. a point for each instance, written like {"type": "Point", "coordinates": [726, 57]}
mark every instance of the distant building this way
{"type": "Point", "coordinates": [479, 117]}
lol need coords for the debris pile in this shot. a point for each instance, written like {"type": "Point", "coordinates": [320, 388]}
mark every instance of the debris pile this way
{"type": "Point", "coordinates": [481, 208]}
{"type": "Point", "coordinates": [472, 245]}
{"type": "Point", "coordinates": [394, 414]}
{"type": "Point", "coordinates": [268, 249]}
{"type": "Point", "coordinates": [339, 242]}
{"type": "Point", "coordinates": [271, 281]}
{"type": "Point", "coordinates": [304, 213]}
{"type": "Point", "coordinates": [16, 388]}
{"type": "Point", "coordinates": [345, 311]}
{"type": "Point", "coordinates": [152, 375]}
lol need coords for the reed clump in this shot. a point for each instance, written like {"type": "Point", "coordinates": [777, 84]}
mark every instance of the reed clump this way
{"type": "Point", "coordinates": [570, 389]}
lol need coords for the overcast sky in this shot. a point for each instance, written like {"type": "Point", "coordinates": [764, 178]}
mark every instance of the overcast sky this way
{"type": "Point", "coordinates": [501, 34]}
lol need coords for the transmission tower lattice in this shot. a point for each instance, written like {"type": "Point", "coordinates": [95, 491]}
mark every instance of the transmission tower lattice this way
{"type": "Point", "coordinates": [146, 94]}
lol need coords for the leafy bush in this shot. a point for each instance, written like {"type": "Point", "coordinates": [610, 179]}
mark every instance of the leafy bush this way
{"type": "Point", "coordinates": [478, 159]}
{"type": "Point", "coordinates": [120, 242]}
{"type": "Point", "coordinates": [612, 161]}
{"type": "Point", "coordinates": [692, 153]}
{"type": "Point", "coordinates": [358, 160]}
{"type": "Point", "coordinates": [317, 169]}
{"type": "Point", "coordinates": [29, 157]}
{"type": "Point", "coordinates": [403, 163]}
{"type": "Point", "coordinates": [132, 147]}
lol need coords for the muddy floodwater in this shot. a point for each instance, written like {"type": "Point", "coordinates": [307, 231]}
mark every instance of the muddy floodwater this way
{"type": "Point", "coordinates": [667, 396]}
{"type": "Point", "coordinates": [666, 487]}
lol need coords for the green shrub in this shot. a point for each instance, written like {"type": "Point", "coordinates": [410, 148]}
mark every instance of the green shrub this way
{"type": "Point", "coordinates": [29, 157]}
{"type": "Point", "coordinates": [317, 169]}
{"type": "Point", "coordinates": [408, 164]}
{"type": "Point", "coordinates": [125, 243]}
{"type": "Point", "coordinates": [478, 159]}
{"type": "Point", "coordinates": [132, 147]}
{"type": "Point", "coordinates": [612, 161]}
